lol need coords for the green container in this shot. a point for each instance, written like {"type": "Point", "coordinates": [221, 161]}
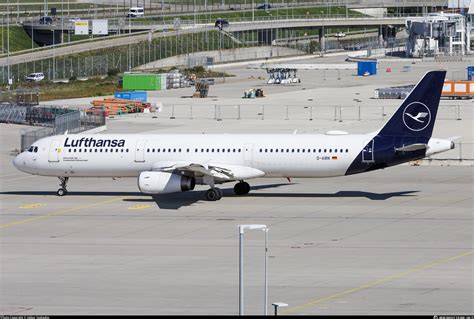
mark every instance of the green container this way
{"type": "Point", "coordinates": [143, 81]}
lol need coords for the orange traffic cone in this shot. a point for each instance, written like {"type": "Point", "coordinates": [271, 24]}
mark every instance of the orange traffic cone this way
{"type": "Point", "coordinates": [389, 70]}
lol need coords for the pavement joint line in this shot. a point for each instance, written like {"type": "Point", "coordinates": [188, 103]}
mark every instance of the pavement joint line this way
{"type": "Point", "coordinates": [377, 282]}
{"type": "Point", "coordinates": [60, 212]}
{"type": "Point", "coordinates": [14, 179]}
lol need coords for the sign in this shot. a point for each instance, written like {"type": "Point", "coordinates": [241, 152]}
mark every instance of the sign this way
{"type": "Point", "coordinates": [100, 27]}
{"type": "Point", "coordinates": [81, 27]}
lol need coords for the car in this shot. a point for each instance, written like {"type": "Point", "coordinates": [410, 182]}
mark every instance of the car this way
{"type": "Point", "coordinates": [136, 12]}
{"type": "Point", "coordinates": [74, 19]}
{"type": "Point", "coordinates": [221, 23]}
{"type": "Point", "coordinates": [46, 20]}
{"type": "Point", "coordinates": [264, 6]}
{"type": "Point", "coordinates": [340, 35]}
{"type": "Point", "coordinates": [35, 77]}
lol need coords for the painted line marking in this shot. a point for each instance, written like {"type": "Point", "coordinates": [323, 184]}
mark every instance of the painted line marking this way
{"type": "Point", "coordinates": [378, 282]}
{"type": "Point", "coordinates": [32, 205]}
{"type": "Point", "coordinates": [139, 206]}
{"type": "Point", "coordinates": [60, 212]}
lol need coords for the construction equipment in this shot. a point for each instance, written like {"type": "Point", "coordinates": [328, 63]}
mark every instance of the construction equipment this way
{"type": "Point", "coordinates": [202, 87]}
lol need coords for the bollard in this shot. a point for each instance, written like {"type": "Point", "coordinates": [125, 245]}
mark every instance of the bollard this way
{"type": "Point", "coordinates": [340, 114]}
{"type": "Point", "coordinates": [238, 112]}
{"type": "Point", "coordinates": [335, 113]}
{"type": "Point", "coordinates": [286, 113]}
{"type": "Point", "coordinates": [383, 112]}
{"type": "Point", "coordinates": [215, 112]}
{"type": "Point", "coordinates": [172, 113]}
{"type": "Point", "coordinates": [458, 111]}
{"type": "Point", "coordinates": [310, 113]}
{"type": "Point", "coordinates": [191, 112]}
{"type": "Point", "coordinates": [219, 112]}
{"type": "Point", "coordinates": [359, 113]}
{"type": "Point", "coordinates": [460, 151]}
{"type": "Point", "coordinates": [263, 112]}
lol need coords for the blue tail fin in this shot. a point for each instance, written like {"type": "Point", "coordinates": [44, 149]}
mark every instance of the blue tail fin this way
{"type": "Point", "coordinates": [416, 116]}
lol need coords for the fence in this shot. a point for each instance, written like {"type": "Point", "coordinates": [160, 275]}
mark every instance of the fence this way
{"type": "Point", "coordinates": [221, 112]}
{"type": "Point", "coordinates": [56, 120]}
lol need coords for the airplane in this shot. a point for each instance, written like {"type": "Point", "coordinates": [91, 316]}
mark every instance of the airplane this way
{"type": "Point", "coordinates": [169, 163]}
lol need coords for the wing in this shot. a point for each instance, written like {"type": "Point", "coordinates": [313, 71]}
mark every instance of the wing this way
{"type": "Point", "coordinates": [222, 172]}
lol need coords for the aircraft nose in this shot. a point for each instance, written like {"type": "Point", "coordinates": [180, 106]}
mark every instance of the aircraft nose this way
{"type": "Point", "coordinates": [19, 162]}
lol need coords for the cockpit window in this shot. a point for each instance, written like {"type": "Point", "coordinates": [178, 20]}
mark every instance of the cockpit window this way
{"type": "Point", "coordinates": [31, 149]}
{"type": "Point", "coordinates": [36, 149]}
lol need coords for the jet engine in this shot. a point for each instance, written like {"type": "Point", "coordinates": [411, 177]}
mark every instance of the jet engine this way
{"type": "Point", "coordinates": [164, 183]}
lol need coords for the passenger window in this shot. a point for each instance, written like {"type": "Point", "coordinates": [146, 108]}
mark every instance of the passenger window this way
{"type": "Point", "coordinates": [271, 150]}
{"type": "Point", "coordinates": [335, 150]}
{"type": "Point", "coordinates": [292, 150]}
{"type": "Point", "coordinates": [187, 150]}
{"type": "Point", "coordinates": [233, 150]}
{"type": "Point", "coordinates": [217, 150]}
{"type": "Point", "coordinates": [196, 150]}
{"type": "Point", "coordinates": [148, 150]}
{"type": "Point", "coordinates": [127, 150]}
{"type": "Point", "coordinates": [276, 150]}
{"type": "Point", "coordinates": [287, 150]}
{"type": "Point", "coordinates": [69, 150]}
{"type": "Point", "coordinates": [228, 150]}
{"type": "Point", "coordinates": [223, 150]}
{"type": "Point", "coordinates": [302, 150]}
{"type": "Point", "coordinates": [121, 150]}
{"type": "Point", "coordinates": [324, 150]}
{"type": "Point", "coordinates": [169, 150]}
{"type": "Point", "coordinates": [80, 150]}
{"type": "Point", "coordinates": [212, 150]}
{"type": "Point", "coordinates": [85, 150]}
{"type": "Point", "coordinates": [298, 150]}
{"type": "Point", "coordinates": [36, 149]}
{"type": "Point", "coordinates": [341, 150]}
{"type": "Point", "coordinates": [240, 150]}
{"type": "Point", "coordinates": [74, 150]}
{"type": "Point", "coordinates": [95, 150]}
{"type": "Point", "coordinates": [105, 150]}
{"type": "Point", "coordinates": [347, 150]}
{"type": "Point", "coordinates": [116, 150]}
{"type": "Point", "coordinates": [100, 151]}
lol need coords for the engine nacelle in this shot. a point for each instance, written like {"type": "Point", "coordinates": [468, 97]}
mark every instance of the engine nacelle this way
{"type": "Point", "coordinates": [164, 183]}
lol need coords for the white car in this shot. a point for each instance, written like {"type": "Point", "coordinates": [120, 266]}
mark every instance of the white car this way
{"type": "Point", "coordinates": [34, 77]}
{"type": "Point", "coordinates": [340, 35]}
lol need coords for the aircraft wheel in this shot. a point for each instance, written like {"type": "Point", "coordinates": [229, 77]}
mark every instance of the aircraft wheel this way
{"type": "Point", "coordinates": [213, 194]}
{"type": "Point", "coordinates": [241, 188]}
{"type": "Point", "coordinates": [62, 192]}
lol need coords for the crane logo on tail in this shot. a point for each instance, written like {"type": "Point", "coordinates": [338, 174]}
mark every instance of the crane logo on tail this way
{"type": "Point", "coordinates": [416, 116]}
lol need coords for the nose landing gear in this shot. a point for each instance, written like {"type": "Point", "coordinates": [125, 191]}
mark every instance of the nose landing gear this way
{"type": "Point", "coordinates": [62, 191]}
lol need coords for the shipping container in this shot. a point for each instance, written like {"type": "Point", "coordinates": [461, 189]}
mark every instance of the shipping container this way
{"type": "Point", "coordinates": [470, 73]}
{"type": "Point", "coordinates": [141, 81]}
{"type": "Point", "coordinates": [458, 89]}
{"type": "Point", "coordinates": [132, 95]}
{"type": "Point", "coordinates": [369, 67]}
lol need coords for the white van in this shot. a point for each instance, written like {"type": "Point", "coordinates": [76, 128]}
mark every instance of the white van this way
{"type": "Point", "coordinates": [34, 77]}
{"type": "Point", "coordinates": [136, 12]}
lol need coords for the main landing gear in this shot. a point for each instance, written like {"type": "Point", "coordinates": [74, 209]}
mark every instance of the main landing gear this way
{"type": "Point", "coordinates": [241, 188]}
{"type": "Point", "coordinates": [62, 191]}
{"type": "Point", "coordinates": [215, 193]}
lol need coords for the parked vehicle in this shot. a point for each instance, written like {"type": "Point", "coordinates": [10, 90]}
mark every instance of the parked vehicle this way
{"type": "Point", "coordinates": [340, 35]}
{"type": "Point", "coordinates": [46, 20]}
{"type": "Point", "coordinates": [34, 77]}
{"type": "Point", "coordinates": [136, 12]}
{"type": "Point", "coordinates": [221, 23]}
{"type": "Point", "coordinates": [264, 6]}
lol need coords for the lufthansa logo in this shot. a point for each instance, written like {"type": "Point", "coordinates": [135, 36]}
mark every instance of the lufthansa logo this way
{"type": "Point", "coordinates": [416, 116]}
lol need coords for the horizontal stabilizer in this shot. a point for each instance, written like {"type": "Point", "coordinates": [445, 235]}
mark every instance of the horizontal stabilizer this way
{"type": "Point", "coordinates": [411, 147]}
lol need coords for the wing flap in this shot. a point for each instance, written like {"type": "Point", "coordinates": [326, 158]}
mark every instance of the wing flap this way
{"type": "Point", "coordinates": [215, 170]}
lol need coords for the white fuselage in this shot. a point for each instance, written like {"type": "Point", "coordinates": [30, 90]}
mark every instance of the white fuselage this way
{"type": "Point", "coordinates": [277, 155]}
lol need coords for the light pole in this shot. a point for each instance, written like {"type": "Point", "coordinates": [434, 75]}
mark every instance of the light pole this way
{"type": "Point", "coordinates": [241, 265]}
{"type": "Point", "coordinates": [10, 82]}
{"type": "Point", "coordinates": [54, 60]}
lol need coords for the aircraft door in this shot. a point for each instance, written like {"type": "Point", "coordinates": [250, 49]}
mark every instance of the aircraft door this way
{"type": "Point", "coordinates": [54, 151]}
{"type": "Point", "coordinates": [248, 154]}
{"type": "Point", "coordinates": [368, 153]}
{"type": "Point", "coordinates": [140, 151]}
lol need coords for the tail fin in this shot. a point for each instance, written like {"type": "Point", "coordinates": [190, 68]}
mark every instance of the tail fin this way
{"type": "Point", "coordinates": [417, 114]}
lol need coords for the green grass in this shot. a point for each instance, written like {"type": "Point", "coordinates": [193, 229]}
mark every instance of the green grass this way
{"type": "Point", "coordinates": [74, 89]}
{"type": "Point", "coordinates": [19, 39]}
